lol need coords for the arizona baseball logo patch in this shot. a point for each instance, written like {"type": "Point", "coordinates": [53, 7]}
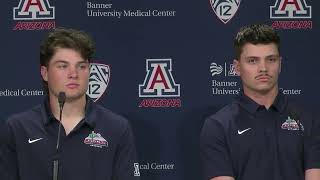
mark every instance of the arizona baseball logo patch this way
{"type": "Point", "coordinates": [292, 124]}
{"type": "Point", "coordinates": [95, 140]}
{"type": "Point", "coordinates": [225, 9]}
{"type": "Point", "coordinates": [98, 80]}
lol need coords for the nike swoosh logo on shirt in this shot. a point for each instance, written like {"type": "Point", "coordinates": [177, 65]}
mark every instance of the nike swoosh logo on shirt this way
{"type": "Point", "coordinates": [34, 140]}
{"type": "Point", "coordinates": [241, 132]}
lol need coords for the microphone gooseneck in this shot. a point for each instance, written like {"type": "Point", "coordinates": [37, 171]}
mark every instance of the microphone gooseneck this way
{"type": "Point", "coordinates": [61, 100]}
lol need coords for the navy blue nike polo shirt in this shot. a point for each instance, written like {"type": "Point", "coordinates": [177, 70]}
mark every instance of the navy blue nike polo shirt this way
{"type": "Point", "coordinates": [100, 147]}
{"type": "Point", "coordinates": [249, 142]}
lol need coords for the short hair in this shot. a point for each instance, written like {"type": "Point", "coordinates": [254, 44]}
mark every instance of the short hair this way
{"type": "Point", "coordinates": [255, 34]}
{"type": "Point", "coordinates": [65, 38]}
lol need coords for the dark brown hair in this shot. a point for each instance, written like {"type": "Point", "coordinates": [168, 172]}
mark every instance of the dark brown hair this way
{"type": "Point", "coordinates": [255, 34]}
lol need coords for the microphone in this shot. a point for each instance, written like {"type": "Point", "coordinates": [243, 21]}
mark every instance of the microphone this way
{"type": "Point", "coordinates": [61, 101]}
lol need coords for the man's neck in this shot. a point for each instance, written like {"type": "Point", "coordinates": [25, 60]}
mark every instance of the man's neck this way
{"type": "Point", "coordinates": [73, 111]}
{"type": "Point", "coordinates": [263, 98]}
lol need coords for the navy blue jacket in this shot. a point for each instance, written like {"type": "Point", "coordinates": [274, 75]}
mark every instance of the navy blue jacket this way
{"type": "Point", "coordinates": [246, 141]}
{"type": "Point", "coordinates": [100, 147]}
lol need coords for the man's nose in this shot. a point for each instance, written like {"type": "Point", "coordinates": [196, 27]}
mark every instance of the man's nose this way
{"type": "Point", "coordinates": [73, 72]}
{"type": "Point", "coordinates": [263, 66]}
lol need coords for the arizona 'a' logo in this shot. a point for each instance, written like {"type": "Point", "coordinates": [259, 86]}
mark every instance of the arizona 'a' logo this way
{"type": "Point", "coordinates": [159, 81]}
{"type": "Point", "coordinates": [287, 9]}
{"type": "Point", "coordinates": [98, 80]}
{"type": "Point", "coordinates": [33, 9]}
{"type": "Point", "coordinates": [225, 9]}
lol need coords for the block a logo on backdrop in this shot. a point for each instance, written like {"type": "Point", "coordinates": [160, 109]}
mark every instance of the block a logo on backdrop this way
{"type": "Point", "coordinates": [34, 15]}
{"type": "Point", "coordinates": [295, 14]}
{"type": "Point", "coordinates": [220, 86]}
{"type": "Point", "coordinates": [159, 86]}
{"type": "Point", "coordinates": [225, 9]}
{"type": "Point", "coordinates": [98, 80]}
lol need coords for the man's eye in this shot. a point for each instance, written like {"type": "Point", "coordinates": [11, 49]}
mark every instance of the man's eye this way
{"type": "Point", "coordinates": [83, 66]}
{"type": "Point", "coordinates": [272, 59]}
{"type": "Point", "coordinates": [62, 66]}
{"type": "Point", "coordinates": [252, 61]}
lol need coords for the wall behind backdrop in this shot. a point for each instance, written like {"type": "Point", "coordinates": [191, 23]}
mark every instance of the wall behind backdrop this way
{"type": "Point", "coordinates": [165, 65]}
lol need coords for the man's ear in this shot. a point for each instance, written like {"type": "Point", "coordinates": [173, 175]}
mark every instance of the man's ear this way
{"type": "Point", "coordinates": [44, 73]}
{"type": "Point", "coordinates": [237, 66]}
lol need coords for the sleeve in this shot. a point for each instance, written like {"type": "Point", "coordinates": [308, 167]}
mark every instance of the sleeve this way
{"type": "Point", "coordinates": [126, 158]}
{"type": "Point", "coordinates": [312, 145]}
{"type": "Point", "coordinates": [214, 151]}
{"type": "Point", "coordinates": [8, 156]}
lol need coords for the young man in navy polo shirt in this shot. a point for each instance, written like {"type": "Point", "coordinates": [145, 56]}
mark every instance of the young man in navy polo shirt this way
{"type": "Point", "coordinates": [95, 144]}
{"type": "Point", "coordinates": [261, 135]}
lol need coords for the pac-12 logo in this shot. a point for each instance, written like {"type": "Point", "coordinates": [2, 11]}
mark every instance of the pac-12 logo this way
{"type": "Point", "coordinates": [98, 80]}
{"type": "Point", "coordinates": [159, 81]}
{"type": "Point", "coordinates": [225, 9]}
{"type": "Point", "coordinates": [33, 9]}
{"type": "Point", "coordinates": [287, 9]}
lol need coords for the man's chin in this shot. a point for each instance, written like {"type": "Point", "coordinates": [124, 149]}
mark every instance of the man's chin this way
{"type": "Point", "coordinates": [264, 89]}
{"type": "Point", "coordinates": [74, 97]}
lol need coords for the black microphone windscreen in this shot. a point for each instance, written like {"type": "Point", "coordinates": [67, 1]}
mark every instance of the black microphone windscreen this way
{"type": "Point", "coordinates": [62, 98]}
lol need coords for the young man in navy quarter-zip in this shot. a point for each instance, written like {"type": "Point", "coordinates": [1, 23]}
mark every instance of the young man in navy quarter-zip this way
{"type": "Point", "coordinates": [94, 143]}
{"type": "Point", "coordinates": [261, 135]}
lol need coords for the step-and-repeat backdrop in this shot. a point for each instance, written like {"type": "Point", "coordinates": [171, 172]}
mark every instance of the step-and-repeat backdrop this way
{"type": "Point", "coordinates": [165, 65]}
